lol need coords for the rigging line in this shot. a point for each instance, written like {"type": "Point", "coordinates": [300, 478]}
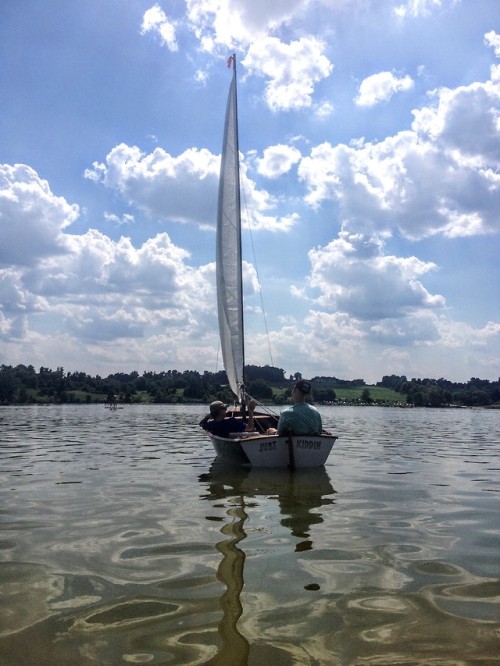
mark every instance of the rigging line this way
{"type": "Point", "coordinates": [249, 226]}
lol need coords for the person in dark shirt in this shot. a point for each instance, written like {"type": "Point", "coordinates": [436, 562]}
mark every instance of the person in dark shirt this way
{"type": "Point", "coordinates": [221, 425]}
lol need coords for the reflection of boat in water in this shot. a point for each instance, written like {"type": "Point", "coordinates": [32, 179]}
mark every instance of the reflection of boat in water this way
{"type": "Point", "coordinates": [299, 494]}
{"type": "Point", "coordinates": [266, 481]}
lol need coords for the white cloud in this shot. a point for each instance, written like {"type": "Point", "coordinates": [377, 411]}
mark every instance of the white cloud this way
{"type": "Point", "coordinates": [416, 8]}
{"type": "Point", "coordinates": [145, 307]}
{"type": "Point", "coordinates": [125, 219]}
{"type": "Point", "coordinates": [322, 343]}
{"type": "Point", "coordinates": [492, 38]}
{"type": "Point", "coordinates": [334, 344]}
{"type": "Point", "coordinates": [98, 266]}
{"type": "Point", "coordinates": [440, 177]}
{"type": "Point", "coordinates": [251, 28]}
{"type": "Point", "coordinates": [234, 24]}
{"type": "Point", "coordinates": [459, 334]}
{"type": "Point", "coordinates": [415, 329]}
{"type": "Point", "coordinates": [465, 119]}
{"type": "Point", "coordinates": [217, 23]}
{"type": "Point", "coordinates": [324, 109]}
{"type": "Point", "coordinates": [381, 87]}
{"type": "Point", "coordinates": [180, 189]}
{"type": "Point", "coordinates": [373, 311]}
{"type": "Point", "coordinates": [292, 70]}
{"type": "Point", "coordinates": [99, 292]}
{"type": "Point", "coordinates": [16, 304]}
{"type": "Point", "coordinates": [89, 287]}
{"type": "Point", "coordinates": [375, 317]}
{"type": "Point", "coordinates": [155, 20]}
{"type": "Point", "coordinates": [353, 275]}
{"type": "Point", "coordinates": [104, 290]}
{"type": "Point", "coordinates": [32, 218]}
{"type": "Point", "coordinates": [277, 160]}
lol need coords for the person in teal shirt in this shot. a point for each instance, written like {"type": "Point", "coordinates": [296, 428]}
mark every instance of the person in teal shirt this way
{"type": "Point", "coordinates": [301, 418]}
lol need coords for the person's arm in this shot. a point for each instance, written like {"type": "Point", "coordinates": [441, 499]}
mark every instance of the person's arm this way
{"type": "Point", "coordinates": [281, 424]}
{"type": "Point", "coordinates": [203, 422]}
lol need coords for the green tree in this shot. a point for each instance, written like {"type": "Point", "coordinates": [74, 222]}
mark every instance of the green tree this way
{"type": "Point", "coordinates": [324, 394]}
{"type": "Point", "coordinates": [260, 390]}
{"type": "Point", "coordinates": [8, 384]}
{"type": "Point", "coordinates": [366, 397]}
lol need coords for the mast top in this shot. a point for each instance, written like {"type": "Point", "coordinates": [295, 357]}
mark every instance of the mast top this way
{"type": "Point", "coordinates": [231, 61]}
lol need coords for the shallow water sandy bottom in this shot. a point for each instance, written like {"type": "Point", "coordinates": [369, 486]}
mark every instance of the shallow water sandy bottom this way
{"type": "Point", "coordinates": [123, 541]}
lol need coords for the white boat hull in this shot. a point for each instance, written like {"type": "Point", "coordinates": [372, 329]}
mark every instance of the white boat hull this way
{"type": "Point", "coordinates": [294, 451]}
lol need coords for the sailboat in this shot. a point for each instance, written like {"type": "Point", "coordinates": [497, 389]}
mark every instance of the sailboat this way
{"type": "Point", "coordinates": [255, 449]}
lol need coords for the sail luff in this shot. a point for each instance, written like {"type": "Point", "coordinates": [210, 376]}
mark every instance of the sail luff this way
{"type": "Point", "coordinates": [228, 248]}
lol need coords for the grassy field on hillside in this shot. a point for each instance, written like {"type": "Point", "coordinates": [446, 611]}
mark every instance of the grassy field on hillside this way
{"type": "Point", "coordinates": [343, 394]}
{"type": "Point", "coordinates": [377, 393]}
{"type": "Point", "coordinates": [351, 394]}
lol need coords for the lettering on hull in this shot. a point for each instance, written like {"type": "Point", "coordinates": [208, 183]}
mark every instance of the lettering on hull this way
{"type": "Point", "coordinates": [308, 444]}
{"type": "Point", "coordinates": [264, 447]}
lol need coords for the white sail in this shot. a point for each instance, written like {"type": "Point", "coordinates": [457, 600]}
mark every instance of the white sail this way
{"type": "Point", "coordinates": [228, 249]}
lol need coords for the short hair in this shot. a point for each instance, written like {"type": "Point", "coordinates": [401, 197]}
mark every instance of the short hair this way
{"type": "Point", "coordinates": [303, 386]}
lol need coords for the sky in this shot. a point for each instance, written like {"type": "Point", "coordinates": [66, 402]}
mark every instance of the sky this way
{"type": "Point", "coordinates": [370, 153]}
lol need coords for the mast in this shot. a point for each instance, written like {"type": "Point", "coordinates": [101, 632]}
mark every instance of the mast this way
{"type": "Point", "coordinates": [240, 250]}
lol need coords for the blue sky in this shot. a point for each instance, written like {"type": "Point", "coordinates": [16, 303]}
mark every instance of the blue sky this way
{"type": "Point", "coordinates": [370, 144]}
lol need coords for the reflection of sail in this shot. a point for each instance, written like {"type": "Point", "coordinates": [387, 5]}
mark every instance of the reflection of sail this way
{"type": "Point", "coordinates": [230, 572]}
{"type": "Point", "coordinates": [297, 493]}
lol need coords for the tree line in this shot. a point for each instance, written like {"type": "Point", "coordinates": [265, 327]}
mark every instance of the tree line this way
{"type": "Point", "coordinates": [439, 392]}
{"type": "Point", "coordinates": [23, 384]}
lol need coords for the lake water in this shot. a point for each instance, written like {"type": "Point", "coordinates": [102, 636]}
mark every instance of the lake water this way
{"type": "Point", "coordinates": [123, 543]}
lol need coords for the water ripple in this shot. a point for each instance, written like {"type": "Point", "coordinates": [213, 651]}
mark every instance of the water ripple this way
{"type": "Point", "coordinates": [122, 541]}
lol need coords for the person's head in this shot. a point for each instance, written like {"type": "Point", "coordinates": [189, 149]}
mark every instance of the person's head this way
{"type": "Point", "coordinates": [301, 389]}
{"type": "Point", "coordinates": [217, 409]}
